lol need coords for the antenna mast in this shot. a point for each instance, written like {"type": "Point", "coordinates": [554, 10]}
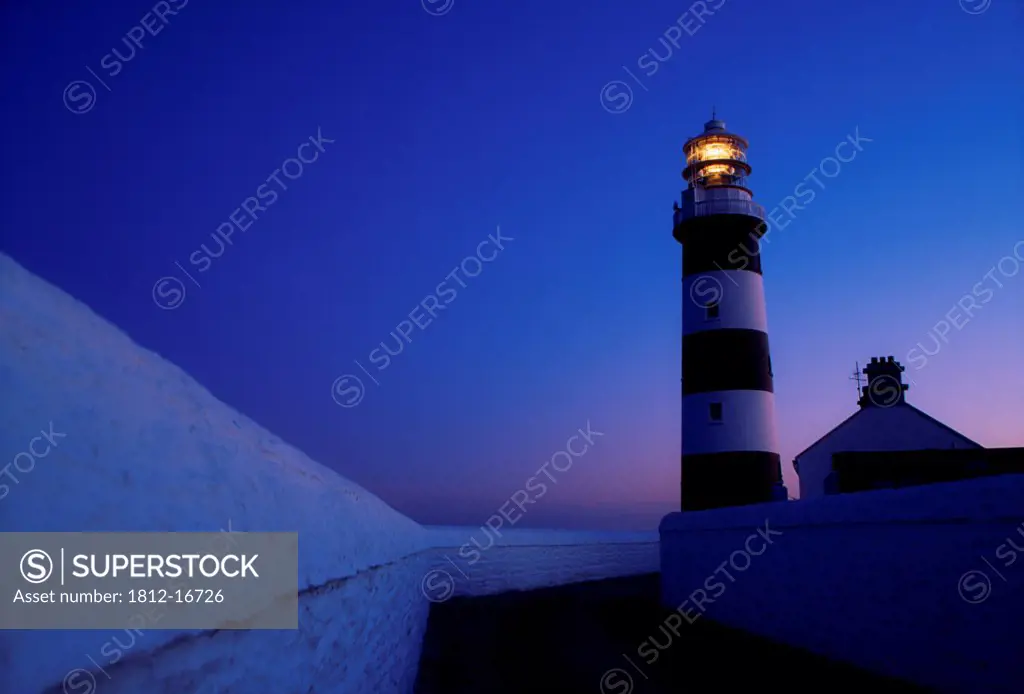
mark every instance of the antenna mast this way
{"type": "Point", "coordinates": [857, 377]}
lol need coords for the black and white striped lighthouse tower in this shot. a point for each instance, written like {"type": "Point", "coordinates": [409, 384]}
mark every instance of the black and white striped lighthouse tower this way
{"type": "Point", "coordinates": [730, 455]}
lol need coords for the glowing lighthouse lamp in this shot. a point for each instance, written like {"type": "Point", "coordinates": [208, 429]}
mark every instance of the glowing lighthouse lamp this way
{"type": "Point", "coordinates": [730, 454]}
{"type": "Point", "coordinates": [716, 169]}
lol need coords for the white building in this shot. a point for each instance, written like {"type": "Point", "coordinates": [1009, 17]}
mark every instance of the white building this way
{"type": "Point", "coordinates": [884, 422]}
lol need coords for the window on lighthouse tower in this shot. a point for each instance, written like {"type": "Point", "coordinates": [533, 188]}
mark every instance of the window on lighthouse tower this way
{"type": "Point", "coordinates": [715, 411]}
{"type": "Point", "coordinates": [711, 311]}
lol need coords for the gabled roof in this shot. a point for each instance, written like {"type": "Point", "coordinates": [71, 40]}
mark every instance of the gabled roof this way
{"type": "Point", "coordinates": [906, 405]}
{"type": "Point", "coordinates": [949, 429]}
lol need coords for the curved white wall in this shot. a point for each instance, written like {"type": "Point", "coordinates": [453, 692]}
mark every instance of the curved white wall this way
{"type": "Point", "coordinates": [919, 583]}
{"type": "Point", "coordinates": [138, 445]}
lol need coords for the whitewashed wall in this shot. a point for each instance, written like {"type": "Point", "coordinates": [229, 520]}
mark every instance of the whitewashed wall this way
{"type": "Point", "coordinates": [467, 564]}
{"type": "Point", "coordinates": [137, 445]}
{"type": "Point", "coordinates": [361, 634]}
{"type": "Point", "coordinates": [880, 579]}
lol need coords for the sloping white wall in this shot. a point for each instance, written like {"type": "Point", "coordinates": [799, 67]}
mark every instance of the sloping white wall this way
{"type": "Point", "coordinates": [137, 445]}
{"type": "Point", "coordinates": [919, 583]}
{"type": "Point", "coordinates": [897, 428]}
{"type": "Point", "coordinates": [146, 448]}
{"type": "Point", "coordinates": [360, 634]}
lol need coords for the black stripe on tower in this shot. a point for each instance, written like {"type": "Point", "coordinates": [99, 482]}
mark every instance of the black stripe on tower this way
{"type": "Point", "coordinates": [728, 359]}
{"type": "Point", "coordinates": [714, 480]}
{"type": "Point", "coordinates": [721, 242]}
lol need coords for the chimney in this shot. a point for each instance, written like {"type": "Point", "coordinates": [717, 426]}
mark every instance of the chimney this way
{"type": "Point", "coordinates": [885, 386]}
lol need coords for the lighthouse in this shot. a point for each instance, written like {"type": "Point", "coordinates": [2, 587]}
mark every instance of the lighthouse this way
{"type": "Point", "coordinates": [730, 454]}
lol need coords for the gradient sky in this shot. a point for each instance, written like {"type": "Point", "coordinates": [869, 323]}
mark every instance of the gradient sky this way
{"type": "Point", "coordinates": [445, 127]}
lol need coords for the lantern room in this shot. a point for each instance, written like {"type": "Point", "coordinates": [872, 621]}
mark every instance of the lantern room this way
{"type": "Point", "coordinates": [716, 158]}
{"type": "Point", "coordinates": [716, 170]}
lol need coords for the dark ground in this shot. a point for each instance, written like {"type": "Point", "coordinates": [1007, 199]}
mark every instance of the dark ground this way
{"type": "Point", "coordinates": [567, 639]}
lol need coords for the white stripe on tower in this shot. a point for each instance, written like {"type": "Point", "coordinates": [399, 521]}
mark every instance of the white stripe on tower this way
{"type": "Point", "coordinates": [747, 423]}
{"type": "Point", "coordinates": [740, 299]}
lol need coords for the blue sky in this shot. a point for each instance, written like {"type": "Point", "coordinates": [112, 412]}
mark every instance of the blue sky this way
{"type": "Point", "coordinates": [444, 127]}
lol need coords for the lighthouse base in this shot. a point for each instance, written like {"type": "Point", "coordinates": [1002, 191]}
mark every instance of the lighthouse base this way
{"type": "Point", "coordinates": [738, 478]}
